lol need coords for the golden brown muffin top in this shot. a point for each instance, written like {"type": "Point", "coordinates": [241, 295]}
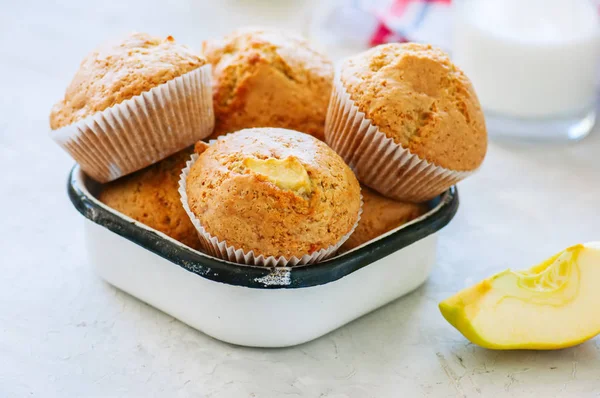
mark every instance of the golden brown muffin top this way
{"type": "Point", "coordinates": [380, 215]}
{"type": "Point", "coordinates": [274, 191]}
{"type": "Point", "coordinates": [269, 78]}
{"type": "Point", "coordinates": [151, 196]}
{"type": "Point", "coordinates": [118, 71]}
{"type": "Point", "coordinates": [415, 95]}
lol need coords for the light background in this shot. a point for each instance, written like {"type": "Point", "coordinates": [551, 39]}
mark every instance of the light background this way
{"type": "Point", "coordinates": [65, 333]}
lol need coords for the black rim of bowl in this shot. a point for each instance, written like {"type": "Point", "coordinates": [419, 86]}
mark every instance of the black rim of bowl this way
{"type": "Point", "coordinates": [253, 276]}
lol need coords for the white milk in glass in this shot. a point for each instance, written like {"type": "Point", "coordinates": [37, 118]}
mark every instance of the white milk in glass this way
{"type": "Point", "coordinates": [534, 64]}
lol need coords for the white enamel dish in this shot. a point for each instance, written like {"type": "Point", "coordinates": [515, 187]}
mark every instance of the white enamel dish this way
{"type": "Point", "coordinates": [256, 306]}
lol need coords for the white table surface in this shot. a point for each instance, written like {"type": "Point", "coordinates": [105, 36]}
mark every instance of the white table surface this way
{"type": "Point", "coordinates": [66, 333]}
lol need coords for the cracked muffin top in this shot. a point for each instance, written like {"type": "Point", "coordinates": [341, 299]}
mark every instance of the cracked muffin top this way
{"type": "Point", "coordinates": [151, 196]}
{"type": "Point", "coordinates": [118, 71]}
{"type": "Point", "coordinates": [380, 215]}
{"type": "Point", "coordinates": [273, 191]}
{"type": "Point", "coordinates": [416, 96]}
{"type": "Point", "coordinates": [269, 78]}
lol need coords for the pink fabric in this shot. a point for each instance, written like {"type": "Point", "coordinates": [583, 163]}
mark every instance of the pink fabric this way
{"type": "Point", "coordinates": [398, 21]}
{"type": "Point", "coordinates": [412, 20]}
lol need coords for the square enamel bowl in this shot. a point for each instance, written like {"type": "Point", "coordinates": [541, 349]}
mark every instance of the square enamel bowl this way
{"type": "Point", "coordinates": [256, 306]}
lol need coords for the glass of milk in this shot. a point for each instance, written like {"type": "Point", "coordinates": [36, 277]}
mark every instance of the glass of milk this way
{"type": "Point", "coordinates": [534, 64]}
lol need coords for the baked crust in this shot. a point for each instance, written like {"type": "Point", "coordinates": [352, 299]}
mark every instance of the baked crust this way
{"type": "Point", "coordinates": [249, 210]}
{"type": "Point", "coordinates": [269, 78]}
{"type": "Point", "coordinates": [380, 215]}
{"type": "Point", "coordinates": [118, 71]}
{"type": "Point", "coordinates": [415, 95]}
{"type": "Point", "coordinates": [151, 196]}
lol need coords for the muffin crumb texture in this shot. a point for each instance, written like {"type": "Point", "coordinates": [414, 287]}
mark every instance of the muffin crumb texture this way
{"type": "Point", "coordinates": [151, 197]}
{"type": "Point", "coordinates": [381, 215]}
{"type": "Point", "coordinates": [273, 191]}
{"type": "Point", "coordinates": [269, 78]}
{"type": "Point", "coordinates": [119, 71]}
{"type": "Point", "coordinates": [415, 95]}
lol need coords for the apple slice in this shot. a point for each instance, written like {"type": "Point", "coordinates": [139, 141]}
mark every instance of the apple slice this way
{"type": "Point", "coordinates": [553, 305]}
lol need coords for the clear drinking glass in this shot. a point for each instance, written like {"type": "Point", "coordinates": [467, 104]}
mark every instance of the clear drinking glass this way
{"type": "Point", "coordinates": [534, 64]}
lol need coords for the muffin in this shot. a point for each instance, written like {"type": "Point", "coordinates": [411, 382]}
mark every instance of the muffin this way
{"type": "Point", "coordinates": [423, 127]}
{"type": "Point", "coordinates": [133, 103]}
{"type": "Point", "coordinates": [269, 78]}
{"type": "Point", "coordinates": [268, 196]}
{"type": "Point", "coordinates": [151, 197]}
{"type": "Point", "coordinates": [379, 216]}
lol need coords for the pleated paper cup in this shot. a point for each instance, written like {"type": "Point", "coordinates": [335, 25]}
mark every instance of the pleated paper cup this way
{"type": "Point", "coordinates": [377, 160]}
{"type": "Point", "coordinates": [144, 129]}
{"type": "Point", "coordinates": [220, 249]}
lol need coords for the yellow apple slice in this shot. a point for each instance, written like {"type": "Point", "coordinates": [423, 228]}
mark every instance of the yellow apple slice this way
{"type": "Point", "coordinates": [553, 305]}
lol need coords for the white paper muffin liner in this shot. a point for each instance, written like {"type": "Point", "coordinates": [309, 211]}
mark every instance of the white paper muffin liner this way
{"type": "Point", "coordinates": [219, 248]}
{"type": "Point", "coordinates": [144, 129]}
{"type": "Point", "coordinates": [377, 160]}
